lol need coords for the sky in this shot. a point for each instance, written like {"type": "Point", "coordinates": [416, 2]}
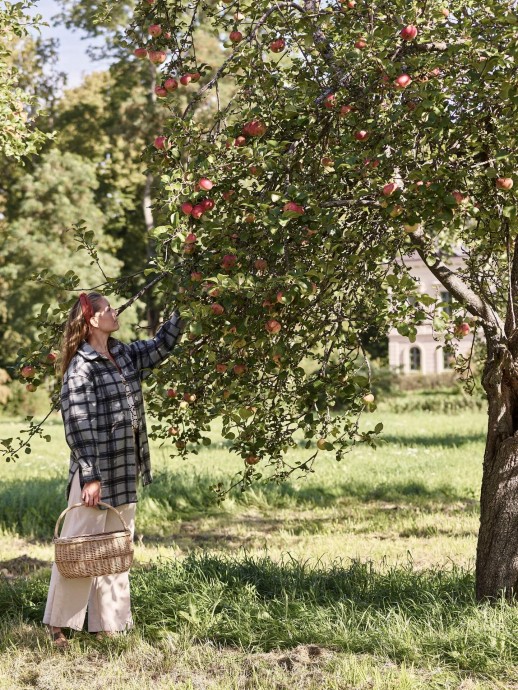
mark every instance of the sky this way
{"type": "Point", "coordinates": [73, 59]}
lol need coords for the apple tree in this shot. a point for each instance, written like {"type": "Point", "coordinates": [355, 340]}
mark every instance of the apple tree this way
{"type": "Point", "coordinates": [358, 133]}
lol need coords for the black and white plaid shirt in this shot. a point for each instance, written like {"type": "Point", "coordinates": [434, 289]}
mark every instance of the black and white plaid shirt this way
{"type": "Point", "coordinates": [97, 417]}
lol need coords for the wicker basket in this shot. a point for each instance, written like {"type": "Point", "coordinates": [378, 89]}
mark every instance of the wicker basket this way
{"type": "Point", "coordinates": [91, 555]}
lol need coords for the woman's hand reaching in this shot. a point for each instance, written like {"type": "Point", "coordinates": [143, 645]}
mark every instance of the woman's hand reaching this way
{"type": "Point", "coordinates": [91, 493]}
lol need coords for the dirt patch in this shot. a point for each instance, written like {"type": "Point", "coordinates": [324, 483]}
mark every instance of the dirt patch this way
{"type": "Point", "coordinates": [21, 565]}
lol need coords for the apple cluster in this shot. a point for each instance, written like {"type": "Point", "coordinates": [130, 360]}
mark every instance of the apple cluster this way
{"type": "Point", "coordinates": [198, 208]}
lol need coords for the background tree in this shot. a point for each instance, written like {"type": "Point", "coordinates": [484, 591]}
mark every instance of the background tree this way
{"type": "Point", "coordinates": [42, 235]}
{"type": "Point", "coordinates": [18, 136]}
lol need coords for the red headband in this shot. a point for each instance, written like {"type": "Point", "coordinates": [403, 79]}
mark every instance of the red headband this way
{"type": "Point", "coordinates": [86, 307]}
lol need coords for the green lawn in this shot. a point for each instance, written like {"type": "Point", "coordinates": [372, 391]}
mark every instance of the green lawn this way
{"type": "Point", "coordinates": [358, 576]}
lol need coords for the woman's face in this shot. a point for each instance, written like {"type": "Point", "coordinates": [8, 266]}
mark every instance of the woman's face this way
{"type": "Point", "coordinates": [106, 317]}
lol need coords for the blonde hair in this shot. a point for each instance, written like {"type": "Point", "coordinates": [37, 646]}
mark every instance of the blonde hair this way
{"type": "Point", "coordinates": [76, 330]}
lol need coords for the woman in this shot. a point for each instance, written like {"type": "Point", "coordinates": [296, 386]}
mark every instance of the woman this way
{"type": "Point", "coordinates": [103, 413]}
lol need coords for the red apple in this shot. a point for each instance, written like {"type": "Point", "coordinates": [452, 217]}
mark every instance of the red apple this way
{"type": "Point", "coordinates": [255, 170]}
{"type": "Point", "coordinates": [170, 84]}
{"type": "Point", "coordinates": [292, 208]}
{"type": "Point", "coordinates": [389, 189]}
{"type": "Point", "coordinates": [462, 329]}
{"type": "Point", "coordinates": [157, 56]}
{"type": "Point", "coordinates": [155, 30]}
{"type": "Point", "coordinates": [30, 387]}
{"type": "Point", "coordinates": [207, 204]}
{"type": "Point", "coordinates": [260, 265]}
{"type": "Point", "coordinates": [195, 76]}
{"type": "Point", "coordinates": [228, 194]}
{"type": "Point", "coordinates": [173, 431]}
{"type": "Point", "coordinates": [217, 309]}
{"type": "Point", "coordinates": [140, 53]}
{"type": "Point", "coordinates": [51, 357]}
{"type": "Point", "coordinates": [459, 197]}
{"type": "Point", "coordinates": [191, 238]}
{"type": "Point", "coordinates": [28, 371]}
{"type": "Point", "coordinates": [160, 92]}
{"type": "Point", "coordinates": [326, 162]}
{"type": "Point", "coordinates": [221, 368]}
{"type": "Point", "coordinates": [272, 326]}
{"type": "Point", "coordinates": [368, 398]}
{"type": "Point", "coordinates": [408, 33]}
{"type": "Point", "coordinates": [196, 276]}
{"type": "Point", "coordinates": [402, 81]}
{"type": "Point", "coordinates": [345, 110]}
{"type": "Point", "coordinates": [189, 397]}
{"type": "Point", "coordinates": [187, 208]}
{"type": "Point", "coordinates": [362, 135]}
{"type": "Point", "coordinates": [197, 211]}
{"type": "Point", "coordinates": [330, 101]}
{"type": "Point", "coordinates": [361, 44]}
{"type": "Point", "coordinates": [206, 184]}
{"type": "Point", "coordinates": [171, 393]}
{"type": "Point", "coordinates": [236, 36]}
{"type": "Point", "coordinates": [278, 45]}
{"type": "Point", "coordinates": [504, 183]}
{"type": "Point", "coordinates": [249, 218]}
{"type": "Point", "coordinates": [239, 369]}
{"type": "Point", "coordinates": [240, 140]}
{"type": "Point", "coordinates": [321, 444]}
{"type": "Point", "coordinates": [185, 79]}
{"type": "Point", "coordinates": [228, 261]}
{"type": "Point", "coordinates": [254, 128]}
{"type": "Point", "coordinates": [252, 460]}
{"type": "Point", "coordinates": [160, 143]}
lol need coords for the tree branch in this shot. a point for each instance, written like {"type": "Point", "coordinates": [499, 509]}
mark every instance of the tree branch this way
{"type": "Point", "coordinates": [455, 285]}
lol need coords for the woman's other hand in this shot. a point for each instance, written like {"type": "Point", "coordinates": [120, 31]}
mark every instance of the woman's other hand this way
{"type": "Point", "coordinates": [91, 493]}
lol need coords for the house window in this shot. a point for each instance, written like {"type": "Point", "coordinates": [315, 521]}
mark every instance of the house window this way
{"type": "Point", "coordinates": [446, 297]}
{"type": "Point", "coordinates": [448, 360]}
{"type": "Point", "coordinates": [415, 359]}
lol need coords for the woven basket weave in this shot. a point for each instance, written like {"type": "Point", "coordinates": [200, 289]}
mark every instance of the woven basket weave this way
{"type": "Point", "coordinates": [92, 555]}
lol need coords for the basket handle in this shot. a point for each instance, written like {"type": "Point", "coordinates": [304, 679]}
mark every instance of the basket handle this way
{"type": "Point", "coordinates": [79, 505]}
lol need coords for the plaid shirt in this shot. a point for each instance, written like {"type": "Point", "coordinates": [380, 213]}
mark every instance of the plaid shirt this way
{"type": "Point", "coordinates": [97, 417]}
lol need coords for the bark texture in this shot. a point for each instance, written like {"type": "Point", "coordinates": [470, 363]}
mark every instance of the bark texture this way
{"type": "Point", "coordinates": [497, 550]}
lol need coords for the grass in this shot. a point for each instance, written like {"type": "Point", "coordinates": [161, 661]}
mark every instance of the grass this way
{"type": "Point", "coordinates": [358, 576]}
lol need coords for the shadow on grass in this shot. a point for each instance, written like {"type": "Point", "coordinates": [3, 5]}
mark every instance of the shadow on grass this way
{"type": "Point", "coordinates": [30, 508]}
{"type": "Point", "coordinates": [443, 441]}
{"type": "Point", "coordinates": [255, 600]}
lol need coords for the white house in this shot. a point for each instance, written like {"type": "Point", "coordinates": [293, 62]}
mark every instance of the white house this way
{"type": "Point", "coordinates": [423, 356]}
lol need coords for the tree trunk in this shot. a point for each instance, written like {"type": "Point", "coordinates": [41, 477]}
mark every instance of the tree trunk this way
{"type": "Point", "coordinates": [497, 550]}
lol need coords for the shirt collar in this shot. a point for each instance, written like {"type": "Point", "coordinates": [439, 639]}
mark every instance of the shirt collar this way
{"type": "Point", "coordinates": [88, 352]}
